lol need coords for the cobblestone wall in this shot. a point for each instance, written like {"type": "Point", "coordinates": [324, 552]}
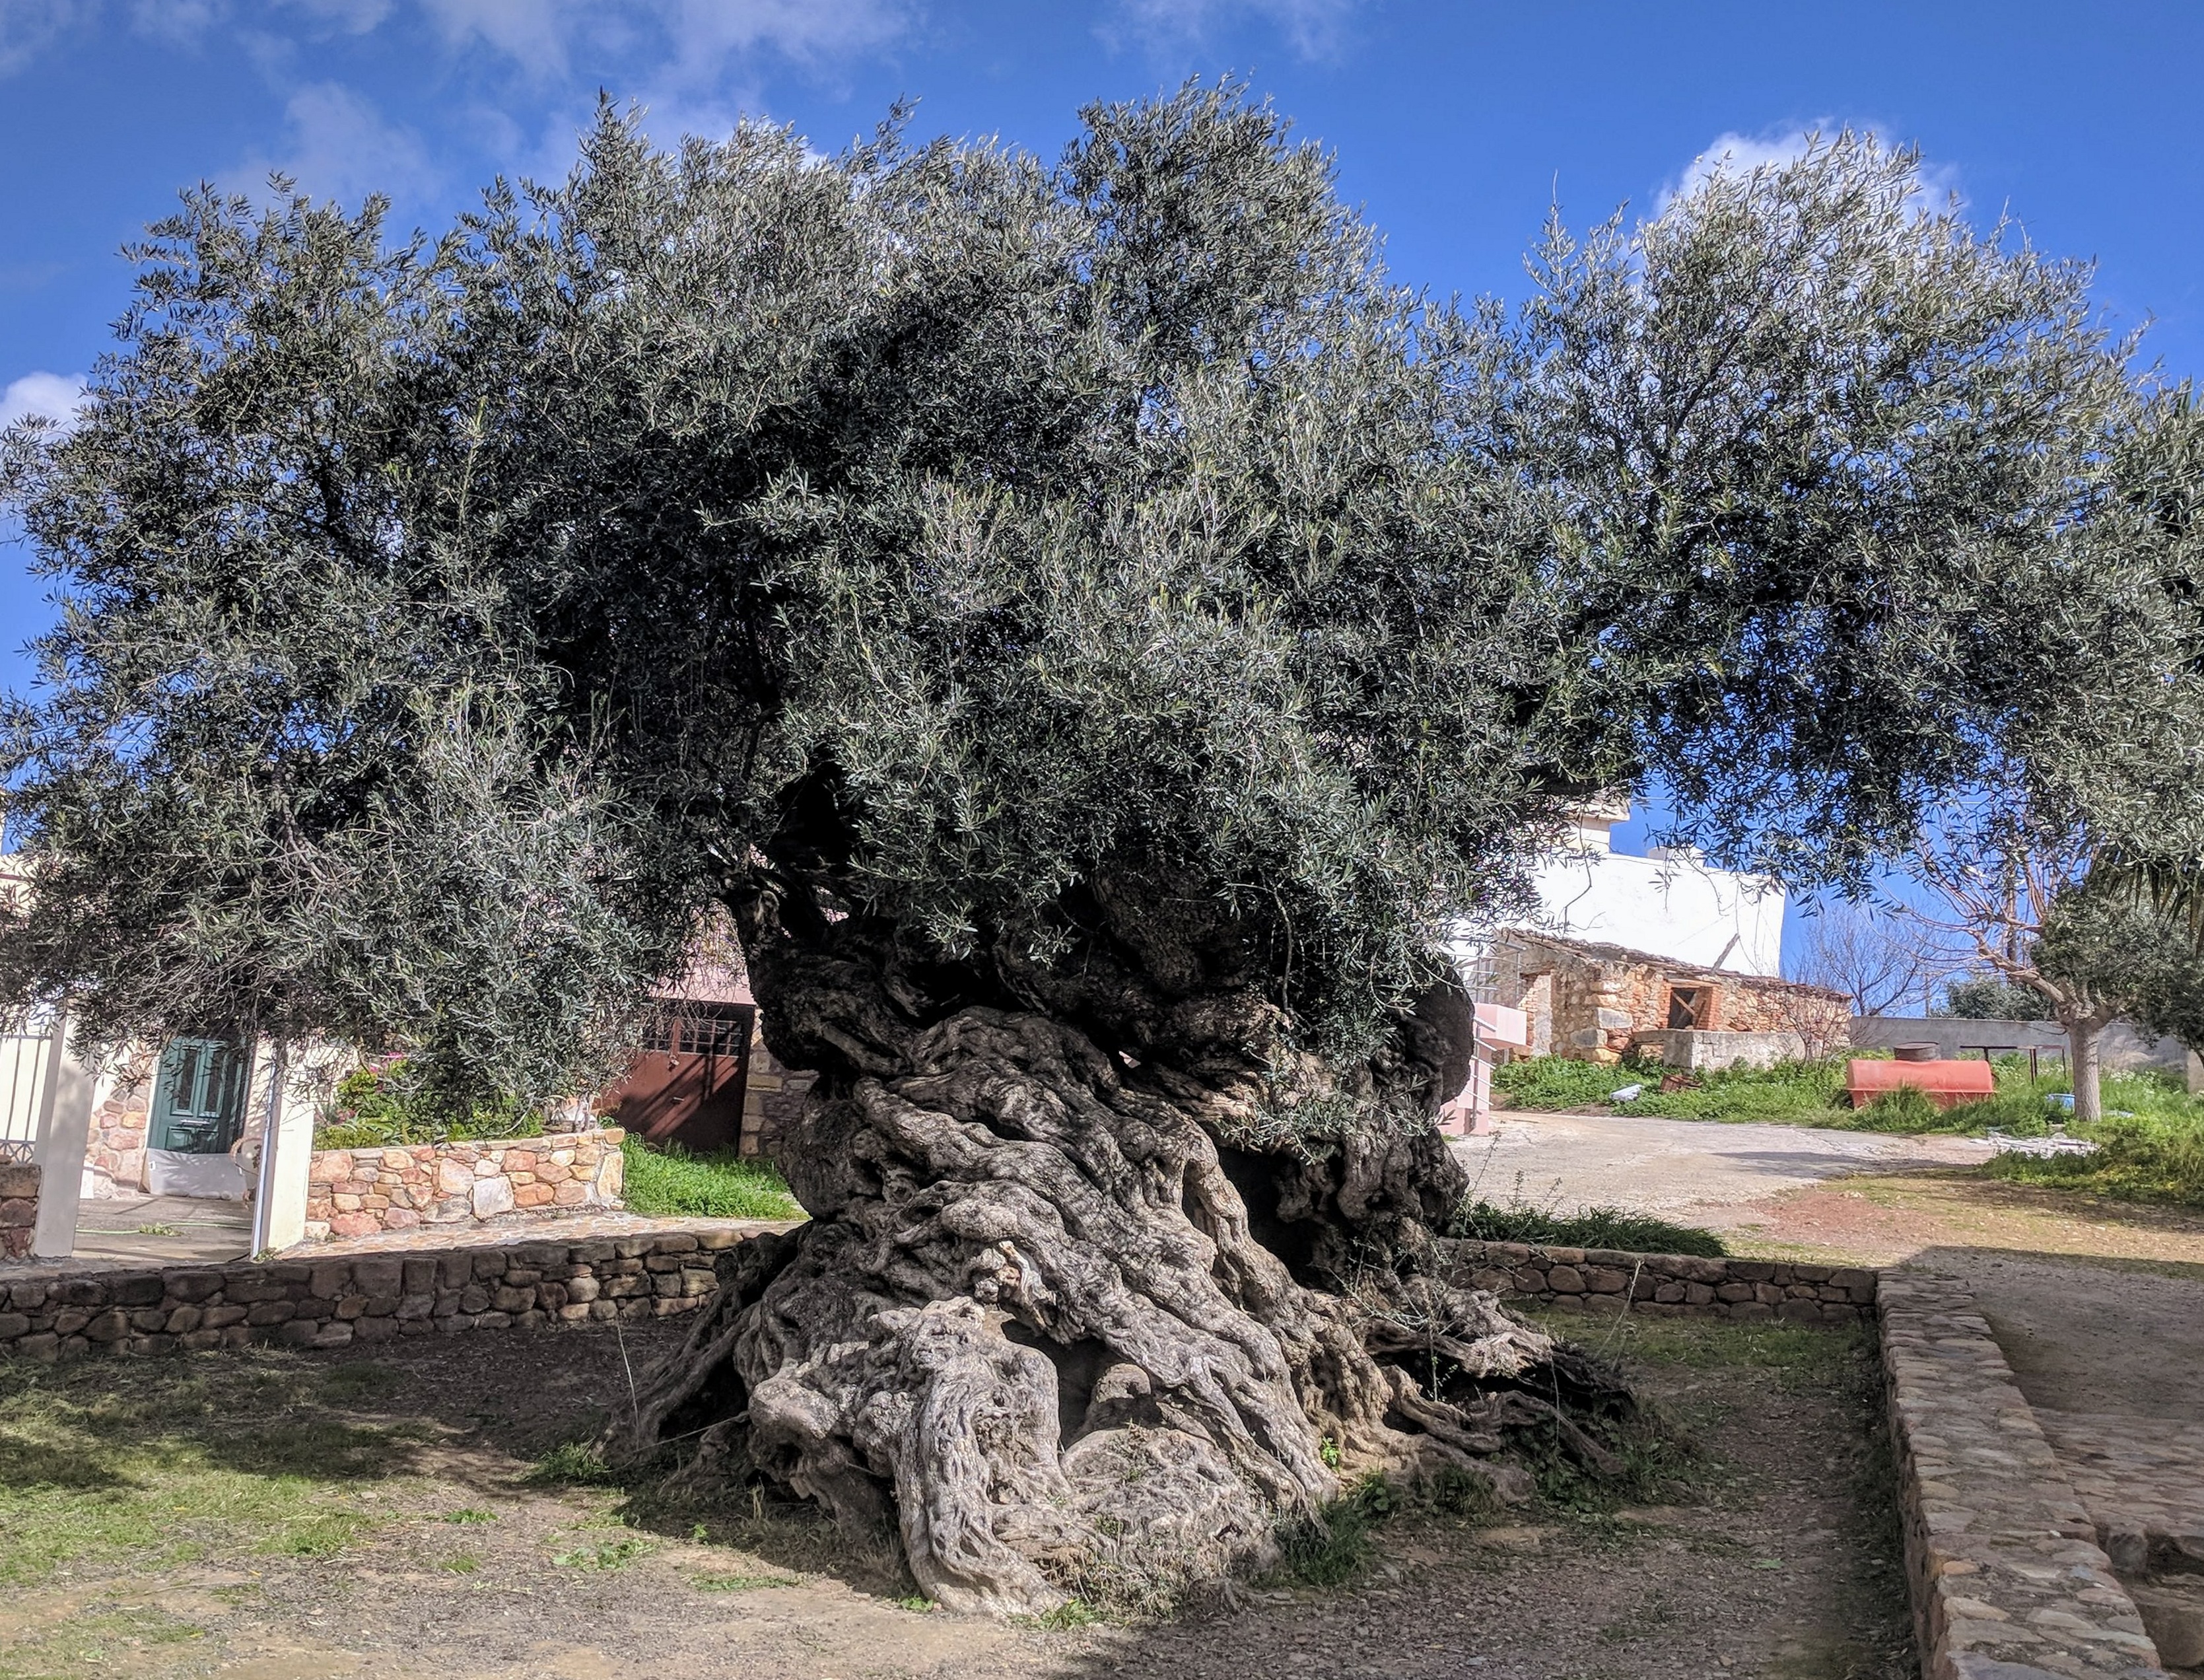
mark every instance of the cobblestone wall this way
{"type": "Point", "coordinates": [1672, 1285]}
{"type": "Point", "coordinates": [336, 1302]}
{"type": "Point", "coordinates": [19, 1208]}
{"type": "Point", "coordinates": [362, 1192]}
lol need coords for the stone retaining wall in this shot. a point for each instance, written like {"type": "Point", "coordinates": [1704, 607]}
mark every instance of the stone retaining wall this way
{"type": "Point", "coordinates": [19, 1208]}
{"type": "Point", "coordinates": [364, 1192]}
{"type": "Point", "coordinates": [1662, 1285]}
{"type": "Point", "coordinates": [2006, 1575]}
{"type": "Point", "coordinates": [335, 1301]}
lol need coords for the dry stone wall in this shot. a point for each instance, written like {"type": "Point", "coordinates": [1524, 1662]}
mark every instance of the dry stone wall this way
{"type": "Point", "coordinates": [19, 1208]}
{"type": "Point", "coordinates": [2006, 1577]}
{"type": "Point", "coordinates": [365, 1193]}
{"type": "Point", "coordinates": [336, 1302]}
{"type": "Point", "coordinates": [1671, 1285]}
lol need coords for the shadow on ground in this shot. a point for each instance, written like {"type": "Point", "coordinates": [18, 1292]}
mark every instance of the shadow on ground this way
{"type": "Point", "coordinates": [392, 1515]}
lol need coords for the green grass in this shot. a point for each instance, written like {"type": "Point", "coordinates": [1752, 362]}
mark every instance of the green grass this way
{"type": "Point", "coordinates": [1333, 1545]}
{"type": "Point", "coordinates": [2151, 1154]}
{"type": "Point", "coordinates": [1813, 1094]}
{"type": "Point", "coordinates": [1519, 1221]}
{"type": "Point", "coordinates": [573, 1465]}
{"type": "Point", "coordinates": [211, 1460]}
{"type": "Point", "coordinates": [740, 1583]}
{"type": "Point", "coordinates": [605, 1555]}
{"type": "Point", "coordinates": [1795, 1093]}
{"type": "Point", "coordinates": [668, 1180]}
{"type": "Point", "coordinates": [1554, 1083]}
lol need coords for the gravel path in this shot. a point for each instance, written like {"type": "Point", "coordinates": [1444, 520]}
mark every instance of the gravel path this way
{"type": "Point", "coordinates": [1697, 1171]}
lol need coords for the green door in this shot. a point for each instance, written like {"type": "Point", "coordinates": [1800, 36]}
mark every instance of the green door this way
{"type": "Point", "coordinates": [198, 1100]}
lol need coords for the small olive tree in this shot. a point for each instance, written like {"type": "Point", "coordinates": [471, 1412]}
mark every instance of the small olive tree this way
{"type": "Point", "coordinates": [1094, 632]}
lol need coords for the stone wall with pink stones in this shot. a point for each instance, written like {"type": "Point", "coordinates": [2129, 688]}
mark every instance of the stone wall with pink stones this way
{"type": "Point", "coordinates": [115, 1151]}
{"type": "Point", "coordinates": [362, 1192]}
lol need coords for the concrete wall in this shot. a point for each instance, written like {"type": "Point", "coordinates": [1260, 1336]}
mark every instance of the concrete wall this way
{"type": "Point", "coordinates": [2126, 1048]}
{"type": "Point", "coordinates": [1670, 903]}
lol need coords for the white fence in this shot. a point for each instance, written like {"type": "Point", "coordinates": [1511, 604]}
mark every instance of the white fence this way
{"type": "Point", "coordinates": [26, 1064]}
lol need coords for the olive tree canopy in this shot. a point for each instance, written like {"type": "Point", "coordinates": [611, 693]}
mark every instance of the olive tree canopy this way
{"type": "Point", "coordinates": [1096, 633]}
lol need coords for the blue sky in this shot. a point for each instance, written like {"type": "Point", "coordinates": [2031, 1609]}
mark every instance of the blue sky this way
{"type": "Point", "coordinates": [1456, 125]}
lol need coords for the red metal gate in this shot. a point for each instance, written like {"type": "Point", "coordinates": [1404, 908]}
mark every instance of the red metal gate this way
{"type": "Point", "coordinates": [688, 1080]}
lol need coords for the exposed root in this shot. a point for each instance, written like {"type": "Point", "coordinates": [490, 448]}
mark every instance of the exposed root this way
{"type": "Point", "coordinates": [1031, 1326]}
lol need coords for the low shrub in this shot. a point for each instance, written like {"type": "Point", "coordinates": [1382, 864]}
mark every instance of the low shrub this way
{"type": "Point", "coordinates": [2139, 1158]}
{"type": "Point", "coordinates": [1331, 1546]}
{"type": "Point", "coordinates": [378, 1107]}
{"type": "Point", "coordinates": [1556, 1082]}
{"type": "Point", "coordinates": [1902, 1108]}
{"type": "Point", "coordinates": [667, 1180]}
{"type": "Point", "coordinates": [1518, 1221]}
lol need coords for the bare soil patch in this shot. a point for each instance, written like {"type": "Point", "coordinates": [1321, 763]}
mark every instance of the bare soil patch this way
{"type": "Point", "coordinates": [275, 1516]}
{"type": "Point", "coordinates": [1888, 1219]}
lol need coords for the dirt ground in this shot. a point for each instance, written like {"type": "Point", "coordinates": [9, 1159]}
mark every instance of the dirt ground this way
{"type": "Point", "coordinates": [273, 1516]}
{"type": "Point", "coordinates": [2095, 1301]}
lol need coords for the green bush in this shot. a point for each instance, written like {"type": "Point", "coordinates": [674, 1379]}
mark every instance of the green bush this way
{"type": "Point", "coordinates": [1799, 1093]}
{"type": "Point", "coordinates": [668, 1180]}
{"type": "Point", "coordinates": [1904, 1108]}
{"type": "Point", "coordinates": [1556, 1082]}
{"type": "Point", "coordinates": [2154, 1156]}
{"type": "Point", "coordinates": [1518, 1221]}
{"type": "Point", "coordinates": [376, 1108]}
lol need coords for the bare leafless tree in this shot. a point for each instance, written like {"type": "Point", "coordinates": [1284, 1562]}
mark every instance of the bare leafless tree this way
{"type": "Point", "coordinates": [1879, 955]}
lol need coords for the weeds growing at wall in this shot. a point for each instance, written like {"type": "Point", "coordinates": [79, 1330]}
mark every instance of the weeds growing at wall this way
{"type": "Point", "coordinates": [380, 1108]}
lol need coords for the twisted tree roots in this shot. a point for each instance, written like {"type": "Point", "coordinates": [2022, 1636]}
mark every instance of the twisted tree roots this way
{"type": "Point", "coordinates": [1031, 1326]}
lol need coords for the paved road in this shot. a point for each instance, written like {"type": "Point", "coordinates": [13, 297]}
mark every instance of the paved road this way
{"type": "Point", "coordinates": [1700, 1172]}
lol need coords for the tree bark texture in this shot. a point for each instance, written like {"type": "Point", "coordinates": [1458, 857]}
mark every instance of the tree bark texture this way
{"type": "Point", "coordinates": [1060, 1319]}
{"type": "Point", "coordinates": [2085, 1037]}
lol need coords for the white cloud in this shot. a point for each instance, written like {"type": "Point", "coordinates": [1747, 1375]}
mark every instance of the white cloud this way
{"type": "Point", "coordinates": [534, 33]}
{"type": "Point", "coordinates": [181, 20]}
{"type": "Point", "coordinates": [340, 147]}
{"type": "Point", "coordinates": [1313, 27]}
{"type": "Point", "coordinates": [688, 43]}
{"type": "Point", "coordinates": [354, 17]}
{"type": "Point", "coordinates": [1739, 154]}
{"type": "Point", "coordinates": [707, 33]}
{"type": "Point", "coordinates": [55, 395]}
{"type": "Point", "coordinates": [26, 26]}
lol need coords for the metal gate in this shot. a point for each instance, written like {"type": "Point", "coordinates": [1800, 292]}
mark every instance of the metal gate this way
{"type": "Point", "coordinates": [690, 1076]}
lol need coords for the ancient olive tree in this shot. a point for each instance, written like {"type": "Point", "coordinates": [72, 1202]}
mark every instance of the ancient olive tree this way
{"type": "Point", "coordinates": [1095, 633]}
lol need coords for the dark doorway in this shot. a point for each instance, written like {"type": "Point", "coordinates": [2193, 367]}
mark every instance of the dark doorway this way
{"type": "Point", "coordinates": [688, 1079]}
{"type": "Point", "coordinates": [1691, 1007]}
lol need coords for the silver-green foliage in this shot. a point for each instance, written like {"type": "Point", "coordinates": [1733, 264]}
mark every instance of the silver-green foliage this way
{"type": "Point", "coordinates": [939, 535]}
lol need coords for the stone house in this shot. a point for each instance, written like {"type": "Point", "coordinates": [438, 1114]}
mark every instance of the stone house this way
{"type": "Point", "coordinates": [1594, 1002]}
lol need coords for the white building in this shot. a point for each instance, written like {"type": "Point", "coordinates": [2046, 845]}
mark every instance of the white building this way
{"type": "Point", "coordinates": [1668, 903]}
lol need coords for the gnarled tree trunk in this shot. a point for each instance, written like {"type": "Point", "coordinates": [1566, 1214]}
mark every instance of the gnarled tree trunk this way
{"type": "Point", "coordinates": [1057, 1317]}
